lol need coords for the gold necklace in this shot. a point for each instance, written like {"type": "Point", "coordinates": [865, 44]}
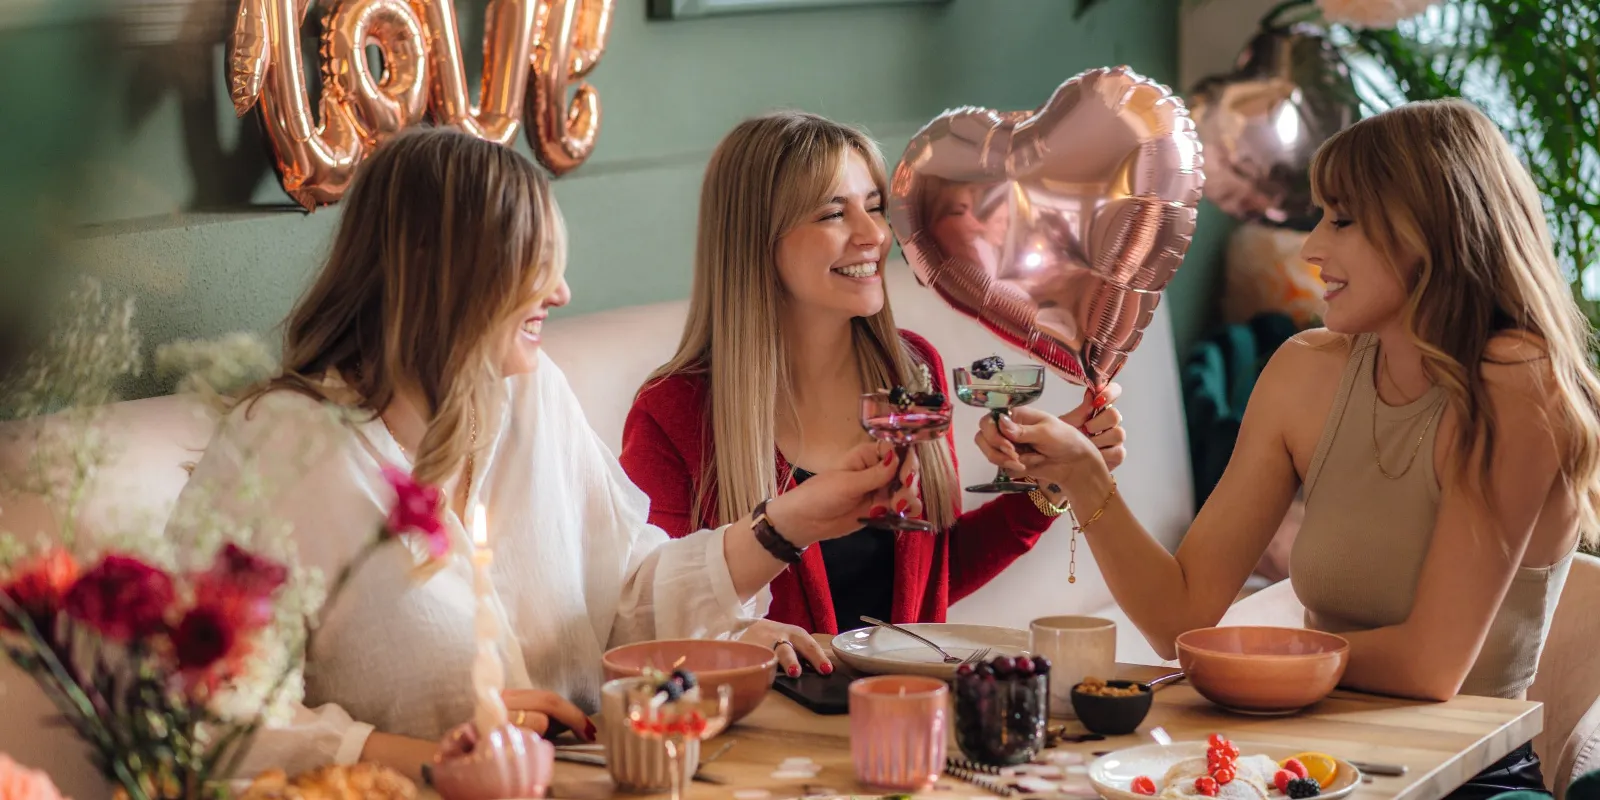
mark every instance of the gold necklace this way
{"type": "Point", "coordinates": [472, 434]}
{"type": "Point", "coordinates": [1377, 453]}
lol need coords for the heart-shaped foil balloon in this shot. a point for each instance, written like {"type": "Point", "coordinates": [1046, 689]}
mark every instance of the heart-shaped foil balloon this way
{"type": "Point", "coordinates": [1057, 228]}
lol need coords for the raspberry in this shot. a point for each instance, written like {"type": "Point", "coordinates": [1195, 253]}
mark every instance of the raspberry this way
{"type": "Point", "coordinates": [1281, 780]}
{"type": "Point", "coordinates": [1143, 785]}
{"type": "Point", "coordinates": [1294, 765]}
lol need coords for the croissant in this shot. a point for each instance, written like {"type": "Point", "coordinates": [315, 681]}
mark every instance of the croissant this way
{"type": "Point", "coordinates": [353, 782]}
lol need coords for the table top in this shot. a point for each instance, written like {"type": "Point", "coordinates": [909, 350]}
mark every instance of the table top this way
{"type": "Point", "coordinates": [1442, 745]}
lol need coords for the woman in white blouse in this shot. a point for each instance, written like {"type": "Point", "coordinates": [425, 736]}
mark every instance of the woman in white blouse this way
{"type": "Point", "coordinates": [426, 318]}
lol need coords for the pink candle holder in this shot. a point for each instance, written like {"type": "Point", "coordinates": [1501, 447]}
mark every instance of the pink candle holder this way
{"type": "Point", "coordinates": [899, 731]}
{"type": "Point", "coordinates": [508, 763]}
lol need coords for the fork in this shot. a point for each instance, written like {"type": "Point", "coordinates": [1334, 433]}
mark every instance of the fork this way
{"type": "Point", "coordinates": [977, 655]}
{"type": "Point", "coordinates": [948, 659]}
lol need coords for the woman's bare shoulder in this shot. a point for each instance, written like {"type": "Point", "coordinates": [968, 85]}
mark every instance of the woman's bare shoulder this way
{"type": "Point", "coordinates": [1307, 359]}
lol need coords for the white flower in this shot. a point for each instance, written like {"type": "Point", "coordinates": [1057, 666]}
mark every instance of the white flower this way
{"type": "Point", "coordinates": [222, 365]}
{"type": "Point", "coordinates": [1372, 13]}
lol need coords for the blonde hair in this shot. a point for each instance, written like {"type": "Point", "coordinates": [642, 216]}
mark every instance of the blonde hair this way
{"type": "Point", "coordinates": [1437, 184]}
{"type": "Point", "coordinates": [443, 238]}
{"type": "Point", "coordinates": [765, 177]}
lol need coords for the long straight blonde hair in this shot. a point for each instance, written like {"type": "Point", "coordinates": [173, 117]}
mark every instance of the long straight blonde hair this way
{"type": "Point", "coordinates": [765, 177]}
{"type": "Point", "coordinates": [1436, 183]}
{"type": "Point", "coordinates": [443, 238]}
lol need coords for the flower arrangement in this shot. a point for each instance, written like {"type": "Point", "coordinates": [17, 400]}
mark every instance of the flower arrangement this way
{"type": "Point", "coordinates": [165, 656]}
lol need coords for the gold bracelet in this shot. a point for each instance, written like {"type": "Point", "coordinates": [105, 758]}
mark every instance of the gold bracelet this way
{"type": "Point", "coordinates": [1072, 558]}
{"type": "Point", "coordinates": [1047, 508]}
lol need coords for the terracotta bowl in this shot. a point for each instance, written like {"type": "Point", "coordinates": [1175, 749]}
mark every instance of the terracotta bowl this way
{"type": "Point", "coordinates": [747, 669]}
{"type": "Point", "coordinates": [1261, 670]}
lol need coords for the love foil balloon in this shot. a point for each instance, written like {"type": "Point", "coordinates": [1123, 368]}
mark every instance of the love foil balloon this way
{"type": "Point", "coordinates": [1057, 228]}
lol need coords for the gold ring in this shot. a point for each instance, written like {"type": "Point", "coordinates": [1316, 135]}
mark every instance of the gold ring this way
{"type": "Point", "coordinates": [782, 642]}
{"type": "Point", "coordinates": [521, 715]}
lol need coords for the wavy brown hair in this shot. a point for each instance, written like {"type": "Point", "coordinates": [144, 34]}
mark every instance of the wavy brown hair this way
{"type": "Point", "coordinates": [765, 176]}
{"type": "Point", "coordinates": [443, 238]}
{"type": "Point", "coordinates": [1436, 183]}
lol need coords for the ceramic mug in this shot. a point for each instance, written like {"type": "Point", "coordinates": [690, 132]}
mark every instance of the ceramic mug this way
{"type": "Point", "coordinates": [899, 731]}
{"type": "Point", "coordinates": [636, 764]}
{"type": "Point", "coordinates": [1078, 647]}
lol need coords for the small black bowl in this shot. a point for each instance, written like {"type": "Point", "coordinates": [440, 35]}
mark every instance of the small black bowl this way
{"type": "Point", "coordinates": [1112, 716]}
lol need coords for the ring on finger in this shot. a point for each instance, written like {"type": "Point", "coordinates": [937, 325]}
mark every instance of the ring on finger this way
{"type": "Point", "coordinates": [521, 715]}
{"type": "Point", "coordinates": [781, 642]}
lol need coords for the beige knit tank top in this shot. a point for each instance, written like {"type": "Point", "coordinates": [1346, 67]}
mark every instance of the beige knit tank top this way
{"type": "Point", "coordinates": [1359, 552]}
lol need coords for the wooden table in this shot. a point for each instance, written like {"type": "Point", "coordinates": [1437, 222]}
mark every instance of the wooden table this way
{"type": "Point", "coordinates": [1441, 744]}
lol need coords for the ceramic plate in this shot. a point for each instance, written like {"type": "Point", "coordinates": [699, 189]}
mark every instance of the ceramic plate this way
{"type": "Point", "coordinates": [1114, 772]}
{"type": "Point", "coordinates": [878, 651]}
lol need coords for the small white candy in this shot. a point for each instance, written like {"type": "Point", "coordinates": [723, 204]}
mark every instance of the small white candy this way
{"type": "Point", "coordinates": [796, 762]}
{"type": "Point", "coordinates": [751, 794]}
{"type": "Point", "coordinates": [794, 774]}
{"type": "Point", "coordinates": [1063, 757]}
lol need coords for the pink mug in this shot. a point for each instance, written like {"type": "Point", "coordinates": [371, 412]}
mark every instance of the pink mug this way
{"type": "Point", "coordinates": [899, 731]}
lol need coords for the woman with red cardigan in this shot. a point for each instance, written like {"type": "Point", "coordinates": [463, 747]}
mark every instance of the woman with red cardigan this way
{"type": "Point", "coordinates": [788, 326]}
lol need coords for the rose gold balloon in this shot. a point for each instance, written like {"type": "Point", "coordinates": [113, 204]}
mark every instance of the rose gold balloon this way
{"type": "Point", "coordinates": [572, 38]}
{"type": "Point", "coordinates": [508, 31]}
{"type": "Point", "coordinates": [1058, 228]}
{"type": "Point", "coordinates": [379, 108]}
{"type": "Point", "coordinates": [315, 161]}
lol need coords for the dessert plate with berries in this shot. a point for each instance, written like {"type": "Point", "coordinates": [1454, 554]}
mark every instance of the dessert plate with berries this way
{"type": "Point", "coordinates": [880, 651]}
{"type": "Point", "coordinates": [1224, 769]}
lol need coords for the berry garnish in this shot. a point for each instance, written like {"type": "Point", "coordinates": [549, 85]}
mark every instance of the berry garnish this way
{"type": "Point", "coordinates": [1223, 775]}
{"type": "Point", "coordinates": [1143, 785]}
{"type": "Point", "coordinates": [1232, 749]}
{"type": "Point", "coordinates": [1041, 665]}
{"type": "Point", "coordinates": [1023, 665]}
{"type": "Point", "coordinates": [1003, 666]}
{"type": "Point", "coordinates": [685, 679]}
{"type": "Point", "coordinates": [1281, 780]}
{"type": "Point", "coordinates": [1300, 788]}
{"type": "Point", "coordinates": [672, 689]}
{"type": "Point", "coordinates": [1293, 765]}
{"type": "Point", "coordinates": [931, 400]}
{"type": "Point", "coordinates": [1217, 740]}
{"type": "Point", "coordinates": [985, 368]}
{"type": "Point", "coordinates": [900, 397]}
{"type": "Point", "coordinates": [1206, 785]}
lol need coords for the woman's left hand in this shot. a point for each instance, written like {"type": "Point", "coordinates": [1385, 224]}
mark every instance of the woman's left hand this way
{"type": "Point", "coordinates": [1055, 441]}
{"type": "Point", "coordinates": [546, 713]}
{"type": "Point", "coordinates": [790, 643]}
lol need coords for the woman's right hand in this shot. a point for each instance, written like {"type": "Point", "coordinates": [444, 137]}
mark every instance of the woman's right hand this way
{"type": "Point", "coordinates": [832, 503]}
{"type": "Point", "coordinates": [1059, 447]}
{"type": "Point", "coordinates": [547, 713]}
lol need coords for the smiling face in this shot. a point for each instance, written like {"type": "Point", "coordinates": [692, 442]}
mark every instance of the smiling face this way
{"type": "Point", "coordinates": [829, 263]}
{"type": "Point", "coordinates": [521, 353]}
{"type": "Point", "coordinates": [1366, 292]}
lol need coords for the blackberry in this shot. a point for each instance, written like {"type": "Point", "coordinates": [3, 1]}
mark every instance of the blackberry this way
{"type": "Point", "coordinates": [1300, 788]}
{"type": "Point", "coordinates": [673, 689]}
{"type": "Point", "coordinates": [931, 400]}
{"type": "Point", "coordinates": [985, 368]}
{"type": "Point", "coordinates": [899, 396]}
{"type": "Point", "coordinates": [685, 679]}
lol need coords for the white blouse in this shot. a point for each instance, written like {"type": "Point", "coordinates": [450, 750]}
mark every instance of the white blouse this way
{"type": "Point", "coordinates": [577, 568]}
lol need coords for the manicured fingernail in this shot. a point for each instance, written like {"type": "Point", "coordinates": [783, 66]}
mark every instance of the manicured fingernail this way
{"type": "Point", "coordinates": [589, 731]}
{"type": "Point", "coordinates": [888, 458]}
{"type": "Point", "coordinates": [1084, 429]}
{"type": "Point", "coordinates": [826, 668]}
{"type": "Point", "coordinates": [1005, 422]}
{"type": "Point", "coordinates": [1100, 401]}
{"type": "Point", "coordinates": [878, 511]}
{"type": "Point", "coordinates": [794, 672]}
{"type": "Point", "coordinates": [900, 506]}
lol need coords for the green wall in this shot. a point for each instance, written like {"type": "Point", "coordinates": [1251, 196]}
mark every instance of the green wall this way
{"type": "Point", "coordinates": [184, 210]}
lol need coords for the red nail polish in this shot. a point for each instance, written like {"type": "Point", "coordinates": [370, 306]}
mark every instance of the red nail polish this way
{"type": "Point", "coordinates": [589, 731]}
{"type": "Point", "coordinates": [826, 669]}
{"type": "Point", "coordinates": [794, 672]}
{"type": "Point", "coordinates": [878, 511]}
{"type": "Point", "coordinates": [1100, 401]}
{"type": "Point", "coordinates": [900, 506]}
{"type": "Point", "coordinates": [888, 458]}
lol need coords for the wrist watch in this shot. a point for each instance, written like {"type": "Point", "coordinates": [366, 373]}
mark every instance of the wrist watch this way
{"type": "Point", "coordinates": [780, 548]}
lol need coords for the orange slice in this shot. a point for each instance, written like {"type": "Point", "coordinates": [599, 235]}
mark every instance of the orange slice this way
{"type": "Point", "coordinates": [1320, 767]}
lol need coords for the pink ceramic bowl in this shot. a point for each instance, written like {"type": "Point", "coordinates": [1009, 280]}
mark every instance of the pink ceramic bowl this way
{"type": "Point", "coordinates": [1261, 670]}
{"type": "Point", "coordinates": [746, 668]}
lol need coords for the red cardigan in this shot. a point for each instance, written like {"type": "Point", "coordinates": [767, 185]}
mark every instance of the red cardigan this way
{"type": "Point", "coordinates": [665, 446]}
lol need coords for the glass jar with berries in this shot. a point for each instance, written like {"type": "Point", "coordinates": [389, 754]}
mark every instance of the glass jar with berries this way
{"type": "Point", "coordinates": [1002, 709]}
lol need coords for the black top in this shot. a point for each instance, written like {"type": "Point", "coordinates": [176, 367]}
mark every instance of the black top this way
{"type": "Point", "coordinates": [860, 570]}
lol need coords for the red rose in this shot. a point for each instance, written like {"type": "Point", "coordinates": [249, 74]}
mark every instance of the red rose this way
{"type": "Point", "coordinates": [123, 598]}
{"type": "Point", "coordinates": [39, 588]}
{"type": "Point", "coordinates": [206, 635]}
{"type": "Point", "coordinates": [416, 510]}
{"type": "Point", "coordinates": [242, 584]}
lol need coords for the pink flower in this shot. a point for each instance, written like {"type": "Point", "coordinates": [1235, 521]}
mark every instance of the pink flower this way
{"type": "Point", "coordinates": [416, 510]}
{"type": "Point", "coordinates": [39, 588]}
{"type": "Point", "coordinates": [241, 584]}
{"type": "Point", "coordinates": [123, 598]}
{"type": "Point", "coordinates": [20, 783]}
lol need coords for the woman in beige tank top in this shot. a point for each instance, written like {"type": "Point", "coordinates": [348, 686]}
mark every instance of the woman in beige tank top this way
{"type": "Point", "coordinates": [1443, 427]}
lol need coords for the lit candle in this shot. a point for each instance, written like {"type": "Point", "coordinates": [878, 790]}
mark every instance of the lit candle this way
{"type": "Point", "coordinates": [488, 672]}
